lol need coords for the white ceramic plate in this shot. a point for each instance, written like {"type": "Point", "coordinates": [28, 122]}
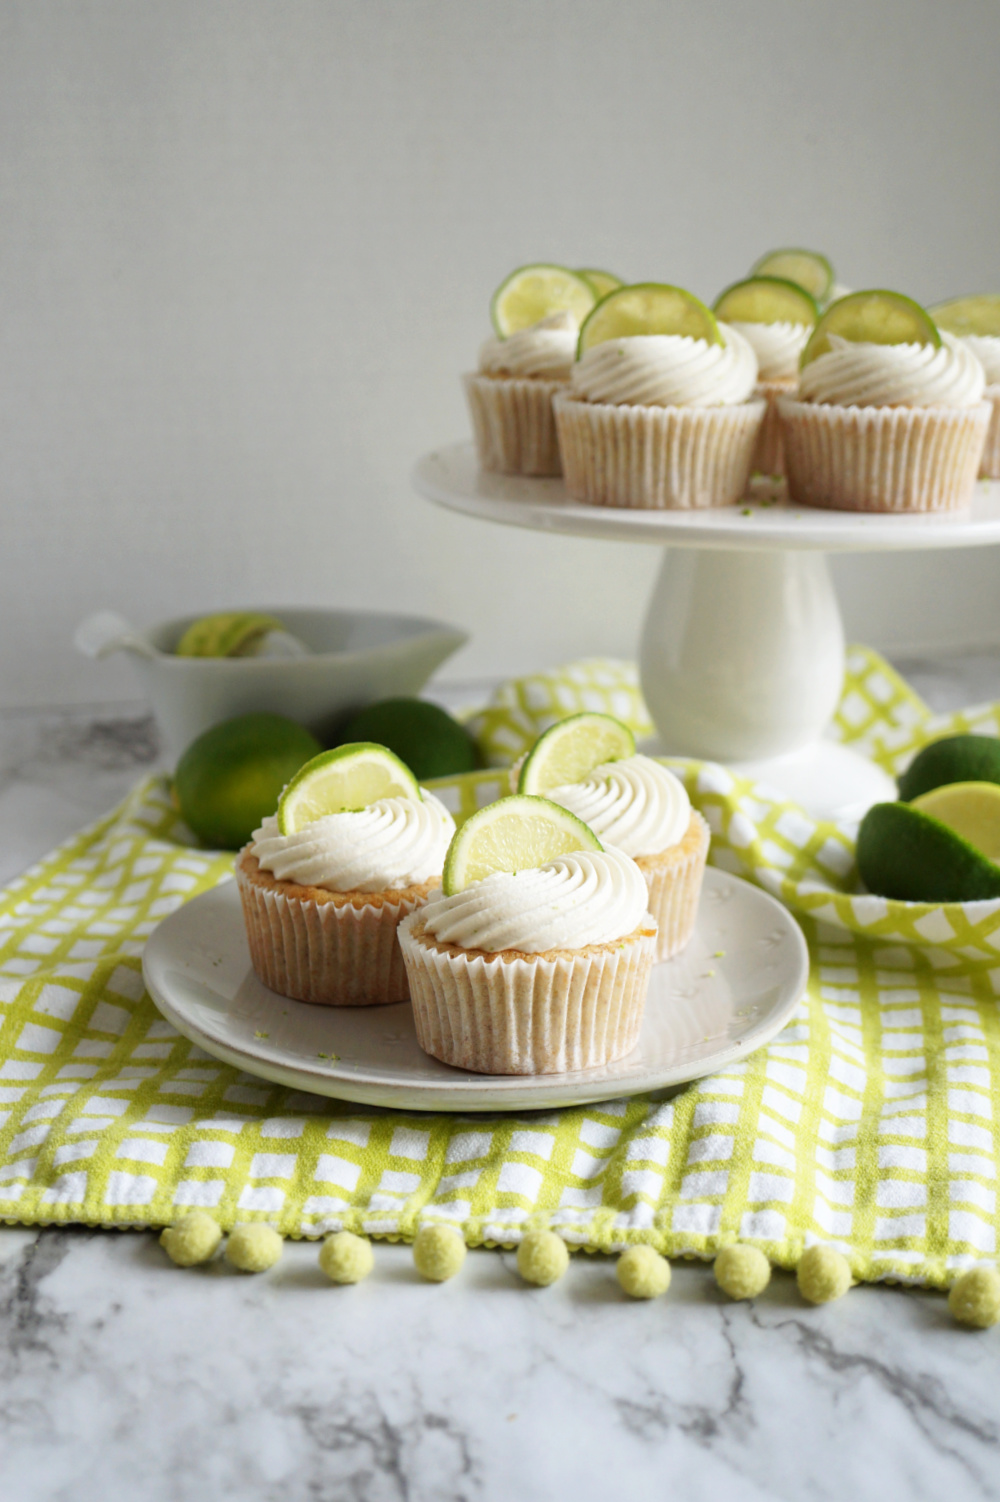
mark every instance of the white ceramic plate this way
{"type": "Point", "coordinates": [705, 1010]}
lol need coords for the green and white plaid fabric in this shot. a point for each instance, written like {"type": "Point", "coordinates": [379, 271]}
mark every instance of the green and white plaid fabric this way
{"type": "Point", "coordinates": [871, 1122]}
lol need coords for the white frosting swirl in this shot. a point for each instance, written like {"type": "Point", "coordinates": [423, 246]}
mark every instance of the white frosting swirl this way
{"type": "Point", "coordinates": [392, 843]}
{"type": "Point", "coordinates": [634, 804]}
{"type": "Point", "coordinates": [776, 345]}
{"type": "Point", "coordinates": [543, 352]}
{"type": "Point", "coordinates": [894, 375]}
{"type": "Point", "coordinates": [986, 348]}
{"type": "Point", "coordinates": [586, 897]}
{"type": "Point", "coordinates": [667, 370]}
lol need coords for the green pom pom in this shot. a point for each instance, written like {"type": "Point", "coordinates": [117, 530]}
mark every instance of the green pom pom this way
{"type": "Point", "coordinates": [253, 1248]}
{"type": "Point", "coordinates": [542, 1257]}
{"type": "Point", "coordinates": [823, 1274]}
{"type": "Point", "coordinates": [742, 1272]}
{"type": "Point", "coordinates": [643, 1273]}
{"type": "Point", "coordinates": [438, 1253]}
{"type": "Point", "coordinates": [191, 1239]}
{"type": "Point", "coordinates": [346, 1258]}
{"type": "Point", "coordinates": [975, 1297]}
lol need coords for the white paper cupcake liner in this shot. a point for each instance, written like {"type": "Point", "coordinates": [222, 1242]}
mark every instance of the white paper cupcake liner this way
{"type": "Point", "coordinates": [513, 424]}
{"type": "Point", "coordinates": [329, 952]}
{"type": "Point", "coordinates": [656, 458]}
{"type": "Point", "coordinates": [896, 459]}
{"type": "Point", "coordinates": [674, 879]}
{"type": "Point", "coordinates": [989, 466]}
{"type": "Point", "coordinates": [769, 455]}
{"type": "Point", "coordinates": [527, 1014]}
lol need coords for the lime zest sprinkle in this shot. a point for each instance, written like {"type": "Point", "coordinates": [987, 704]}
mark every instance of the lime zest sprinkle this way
{"type": "Point", "coordinates": [259, 1034]}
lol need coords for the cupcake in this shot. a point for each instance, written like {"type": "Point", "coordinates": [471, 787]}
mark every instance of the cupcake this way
{"type": "Point", "coordinates": [655, 418]}
{"type": "Point", "coordinates": [536, 313]}
{"type": "Point", "coordinates": [889, 414]}
{"type": "Point", "coordinates": [976, 321]}
{"type": "Point", "coordinates": [538, 970]}
{"type": "Point", "coordinates": [641, 808]}
{"type": "Point", "coordinates": [322, 904]}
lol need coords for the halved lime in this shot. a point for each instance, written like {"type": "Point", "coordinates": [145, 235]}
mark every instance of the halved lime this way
{"type": "Point", "coordinates": [766, 299]}
{"type": "Point", "coordinates": [533, 292]}
{"type": "Point", "coordinates": [875, 317]}
{"type": "Point", "coordinates": [572, 748]}
{"type": "Point", "coordinates": [227, 633]}
{"type": "Point", "coordinates": [971, 809]}
{"type": "Point", "coordinates": [648, 308]}
{"type": "Point", "coordinates": [602, 282]}
{"type": "Point", "coordinates": [807, 268]}
{"type": "Point", "coordinates": [343, 781]}
{"type": "Point", "coordinates": [908, 855]}
{"type": "Point", "coordinates": [514, 834]}
{"type": "Point", "coordinates": [979, 314]}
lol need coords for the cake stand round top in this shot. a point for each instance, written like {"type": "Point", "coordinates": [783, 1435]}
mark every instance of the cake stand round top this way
{"type": "Point", "coordinates": [765, 521]}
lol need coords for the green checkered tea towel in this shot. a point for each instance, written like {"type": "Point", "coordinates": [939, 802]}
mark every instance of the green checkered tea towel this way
{"type": "Point", "coordinates": [871, 1122]}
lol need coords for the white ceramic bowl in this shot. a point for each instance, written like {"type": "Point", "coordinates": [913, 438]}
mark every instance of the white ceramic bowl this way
{"type": "Point", "coordinates": [355, 657]}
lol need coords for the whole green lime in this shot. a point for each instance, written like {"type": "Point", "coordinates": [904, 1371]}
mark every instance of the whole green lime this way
{"type": "Point", "coordinates": [425, 736]}
{"type": "Point", "coordinates": [955, 758]}
{"type": "Point", "coordinates": [231, 777]}
{"type": "Point", "coordinates": [911, 857]}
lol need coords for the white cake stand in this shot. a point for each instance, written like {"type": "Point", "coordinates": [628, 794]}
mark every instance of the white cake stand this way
{"type": "Point", "coordinates": [742, 652]}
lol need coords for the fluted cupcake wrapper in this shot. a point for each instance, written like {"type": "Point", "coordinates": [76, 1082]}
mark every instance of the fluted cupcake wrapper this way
{"type": "Point", "coordinates": [989, 466]}
{"type": "Point", "coordinates": [896, 459]}
{"type": "Point", "coordinates": [769, 455]}
{"type": "Point", "coordinates": [674, 879]}
{"type": "Point", "coordinates": [656, 458]}
{"type": "Point", "coordinates": [513, 424]}
{"type": "Point", "coordinates": [531, 1014]}
{"type": "Point", "coordinates": [332, 954]}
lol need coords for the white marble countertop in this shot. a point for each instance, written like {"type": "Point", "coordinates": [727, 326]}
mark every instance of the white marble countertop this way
{"type": "Point", "coordinates": [121, 1376]}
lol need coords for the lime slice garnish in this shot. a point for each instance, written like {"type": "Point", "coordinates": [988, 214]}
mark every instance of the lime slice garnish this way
{"type": "Point", "coordinates": [766, 299]}
{"type": "Point", "coordinates": [648, 308]}
{"type": "Point", "coordinates": [514, 834]}
{"type": "Point", "coordinates": [971, 809]}
{"type": "Point", "coordinates": [979, 314]}
{"type": "Point", "coordinates": [227, 633]}
{"type": "Point", "coordinates": [602, 282]}
{"type": "Point", "coordinates": [572, 748]}
{"type": "Point", "coordinates": [807, 268]}
{"type": "Point", "coordinates": [342, 781]}
{"type": "Point", "coordinates": [872, 318]}
{"type": "Point", "coordinates": [533, 292]}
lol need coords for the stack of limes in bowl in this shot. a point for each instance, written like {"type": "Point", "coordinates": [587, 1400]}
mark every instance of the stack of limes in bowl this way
{"type": "Point", "coordinates": [941, 841]}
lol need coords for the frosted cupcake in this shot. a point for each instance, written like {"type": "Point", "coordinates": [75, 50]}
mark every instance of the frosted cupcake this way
{"type": "Point", "coordinates": [322, 902]}
{"type": "Point", "coordinates": [976, 320]}
{"type": "Point", "coordinates": [889, 415]}
{"type": "Point", "coordinates": [537, 970]}
{"type": "Point", "coordinates": [660, 412]}
{"type": "Point", "coordinates": [536, 313]}
{"type": "Point", "coordinates": [776, 318]}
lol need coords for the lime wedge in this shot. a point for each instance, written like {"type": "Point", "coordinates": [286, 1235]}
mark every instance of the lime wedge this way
{"type": "Point", "coordinates": [766, 299]}
{"type": "Point", "coordinates": [514, 834]}
{"type": "Point", "coordinates": [971, 809]}
{"type": "Point", "coordinates": [953, 758]}
{"type": "Point", "coordinates": [908, 855]}
{"type": "Point", "coordinates": [648, 308]}
{"type": "Point", "coordinates": [571, 748]}
{"type": "Point", "coordinates": [227, 633]}
{"type": "Point", "coordinates": [807, 268]}
{"type": "Point", "coordinates": [533, 292]}
{"type": "Point", "coordinates": [872, 318]}
{"type": "Point", "coordinates": [343, 781]}
{"type": "Point", "coordinates": [969, 315]}
{"type": "Point", "coordinates": [602, 282]}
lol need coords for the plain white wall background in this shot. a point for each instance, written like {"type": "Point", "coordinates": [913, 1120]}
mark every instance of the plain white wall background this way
{"type": "Point", "coordinates": [248, 246]}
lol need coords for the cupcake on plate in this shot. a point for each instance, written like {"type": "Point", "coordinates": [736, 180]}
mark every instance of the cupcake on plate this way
{"type": "Point", "coordinates": [976, 320]}
{"type": "Point", "coordinates": [889, 414]}
{"type": "Point", "coordinates": [776, 317]}
{"type": "Point", "coordinates": [535, 957]}
{"type": "Point", "coordinates": [536, 313]}
{"type": "Point", "coordinates": [660, 411]}
{"type": "Point", "coordinates": [354, 847]}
